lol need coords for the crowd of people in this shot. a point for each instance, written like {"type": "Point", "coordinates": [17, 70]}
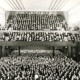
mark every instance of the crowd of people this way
{"type": "Point", "coordinates": [40, 36]}
{"type": "Point", "coordinates": [36, 21]}
{"type": "Point", "coordinates": [32, 53]}
{"type": "Point", "coordinates": [37, 26]}
{"type": "Point", "coordinates": [39, 68]}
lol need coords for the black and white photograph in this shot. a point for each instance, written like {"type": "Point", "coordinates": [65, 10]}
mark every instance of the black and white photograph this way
{"type": "Point", "coordinates": [39, 39]}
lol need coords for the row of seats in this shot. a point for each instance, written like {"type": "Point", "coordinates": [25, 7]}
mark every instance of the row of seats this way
{"type": "Point", "coordinates": [36, 21]}
{"type": "Point", "coordinates": [39, 36]}
{"type": "Point", "coordinates": [35, 53]}
{"type": "Point", "coordinates": [39, 68]}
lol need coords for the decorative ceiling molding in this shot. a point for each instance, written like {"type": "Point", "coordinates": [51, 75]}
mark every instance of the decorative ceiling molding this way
{"type": "Point", "coordinates": [52, 8]}
{"type": "Point", "coordinates": [15, 4]}
{"type": "Point", "coordinates": [65, 2]}
{"type": "Point", "coordinates": [19, 4]}
{"type": "Point", "coordinates": [58, 2]}
{"type": "Point", "coordinates": [50, 4]}
{"type": "Point", "coordinates": [61, 1]}
{"type": "Point", "coordinates": [9, 4]}
{"type": "Point", "coordinates": [10, 1]}
{"type": "Point", "coordinates": [22, 5]}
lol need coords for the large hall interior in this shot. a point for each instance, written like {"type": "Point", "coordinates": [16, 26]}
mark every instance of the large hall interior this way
{"type": "Point", "coordinates": [39, 39]}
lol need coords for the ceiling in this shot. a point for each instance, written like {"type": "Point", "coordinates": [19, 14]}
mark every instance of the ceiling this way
{"type": "Point", "coordinates": [71, 6]}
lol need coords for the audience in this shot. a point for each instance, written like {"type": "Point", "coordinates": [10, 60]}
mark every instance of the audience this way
{"type": "Point", "coordinates": [37, 26]}
{"type": "Point", "coordinates": [39, 68]}
{"type": "Point", "coordinates": [38, 53]}
{"type": "Point", "coordinates": [40, 36]}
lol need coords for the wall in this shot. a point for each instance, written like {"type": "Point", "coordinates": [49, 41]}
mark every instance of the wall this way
{"type": "Point", "coordinates": [36, 47]}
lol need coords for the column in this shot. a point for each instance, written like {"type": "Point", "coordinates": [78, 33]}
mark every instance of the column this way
{"type": "Point", "coordinates": [0, 51]}
{"type": "Point", "coordinates": [53, 51]}
{"type": "Point", "coordinates": [69, 51]}
{"type": "Point", "coordinates": [78, 53]}
{"type": "Point", "coordinates": [19, 50]}
{"type": "Point", "coordinates": [7, 50]}
{"type": "Point", "coordinates": [3, 51]}
{"type": "Point", "coordinates": [65, 50]}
